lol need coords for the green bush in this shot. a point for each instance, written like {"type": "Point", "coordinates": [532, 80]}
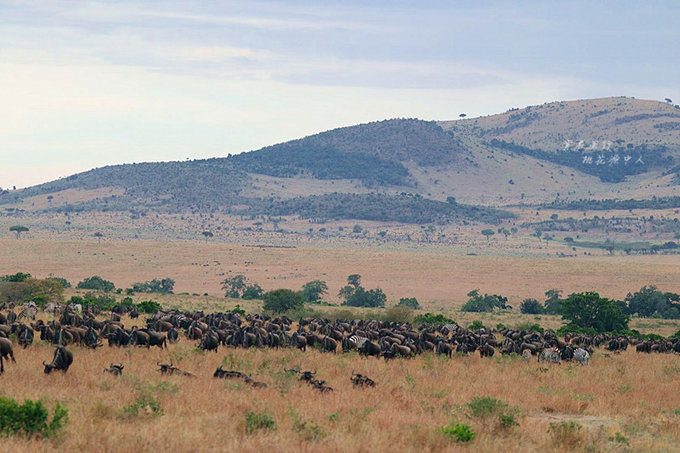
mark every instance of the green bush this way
{"type": "Point", "coordinates": [458, 432]}
{"type": "Point", "coordinates": [30, 418]}
{"type": "Point", "coordinates": [149, 307]}
{"type": "Point", "coordinates": [476, 325]}
{"type": "Point", "coordinates": [486, 408]}
{"type": "Point", "coordinates": [410, 302]}
{"type": "Point", "coordinates": [566, 434]}
{"type": "Point", "coordinates": [431, 318]}
{"type": "Point", "coordinates": [96, 283]}
{"type": "Point", "coordinates": [484, 303]}
{"type": "Point", "coordinates": [281, 300]}
{"type": "Point", "coordinates": [256, 421]}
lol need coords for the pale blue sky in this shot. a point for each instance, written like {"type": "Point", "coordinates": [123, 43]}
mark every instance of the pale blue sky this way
{"type": "Point", "coordinates": [85, 84]}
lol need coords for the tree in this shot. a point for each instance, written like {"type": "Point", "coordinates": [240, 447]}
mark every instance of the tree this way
{"type": "Point", "coordinates": [18, 229]}
{"type": "Point", "coordinates": [462, 115]}
{"type": "Point", "coordinates": [531, 307]}
{"type": "Point", "coordinates": [313, 291]}
{"type": "Point", "coordinates": [357, 229]}
{"type": "Point", "coordinates": [253, 291]}
{"type": "Point", "coordinates": [410, 302]}
{"type": "Point", "coordinates": [354, 280]}
{"type": "Point", "coordinates": [485, 303]}
{"type": "Point", "coordinates": [234, 286]}
{"type": "Point", "coordinates": [373, 298]}
{"type": "Point", "coordinates": [649, 301]}
{"type": "Point", "coordinates": [553, 302]}
{"type": "Point", "coordinates": [589, 311]}
{"type": "Point", "coordinates": [99, 237]}
{"type": "Point", "coordinates": [281, 300]}
{"type": "Point", "coordinates": [164, 286]}
{"type": "Point", "coordinates": [96, 283]}
{"type": "Point", "coordinates": [16, 278]}
{"type": "Point", "coordinates": [488, 233]}
{"type": "Point", "coordinates": [207, 235]}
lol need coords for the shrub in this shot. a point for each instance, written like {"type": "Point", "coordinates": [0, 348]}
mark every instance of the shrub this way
{"type": "Point", "coordinates": [30, 418]}
{"type": "Point", "coordinates": [590, 311]}
{"type": "Point", "coordinates": [373, 298]}
{"type": "Point", "coordinates": [145, 403]}
{"type": "Point", "coordinates": [65, 283]}
{"type": "Point", "coordinates": [281, 300]}
{"type": "Point", "coordinates": [566, 434]}
{"type": "Point", "coordinates": [410, 302]}
{"type": "Point", "coordinates": [486, 408]}
{"type": "Point", "coordinates": [531, 307]}
{"type": "Point", "coordinates": [398, 314]}
{"type": "Point", "coordinates": [257, 421]}
{"type": "Point", "coordinates": [486, 303]}
{"type": "Point", "coordinates": [431, 318]}
{"type": "Point", "coordinates": [164, 286]}
{"type": "Point", "coordinates": [96, 283]}
{"type": "Point", "coordinates": [458, 432]}
{"type": "Point", "coordinates": [253, 291]}
{"type": "Point", "coordinates": [149, 307]}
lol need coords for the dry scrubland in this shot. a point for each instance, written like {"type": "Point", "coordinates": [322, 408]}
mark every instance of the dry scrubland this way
{"type": "Point", "coordinates": [630, 394]}
{"type": "Point", "coordinates": [440, 279]}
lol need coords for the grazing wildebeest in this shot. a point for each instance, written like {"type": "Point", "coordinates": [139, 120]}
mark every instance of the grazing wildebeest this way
{"type": "Point", "coordinates": [486, 350]}
{"type": "Point", "coordinates": [444, 348]}
{"type": "Point", "coordinates": [361, 380]}
{"type": "Point", "coordinates": [116, 370]}
{"type": "Point", "coordinates": [5, 352]}
{"type": "Point", "coordinates": [329, 345]}
{"type": "Point", "coordinates": [63, 358]}
{"type": "Point", "coordinates": [173, 335]}
{"type": "Point", "coordinates": [209, 342]}
{"type": "Point", "coordinates": [581, 356]}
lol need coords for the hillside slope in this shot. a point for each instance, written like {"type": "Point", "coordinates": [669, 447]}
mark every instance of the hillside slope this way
{"type": "Point", "coordinates": [586, 149]}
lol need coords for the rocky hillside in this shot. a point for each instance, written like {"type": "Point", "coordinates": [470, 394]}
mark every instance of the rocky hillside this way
{"type": "Point", "coordinates": [405, 170]}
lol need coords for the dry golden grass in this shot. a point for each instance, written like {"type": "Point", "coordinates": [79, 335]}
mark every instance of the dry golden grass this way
{"type": "Point", "coordinates": [438, 278]}
{"type": "Point", "coordinates": [631, 394]}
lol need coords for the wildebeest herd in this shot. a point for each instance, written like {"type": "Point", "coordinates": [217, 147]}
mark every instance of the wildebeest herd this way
{"type": "Point", "coordinates": [389, 340]}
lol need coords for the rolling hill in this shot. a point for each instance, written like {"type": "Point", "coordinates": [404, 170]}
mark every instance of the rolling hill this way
{"type": "Point", "coordinates": [405, 170]}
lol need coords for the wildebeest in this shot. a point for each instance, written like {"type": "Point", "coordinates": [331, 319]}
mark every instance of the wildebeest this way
{"type": "Point", "coordinates": [6, 351]}
{"type": "Point", "coordinates": [62, 360]}
{"type": "Point", "coordinates": [209, 342]}
{"type": "Point", "coordinates": [116, 370]}
{"type": "Point", "coordinates": [164, 368]}
{"type": "Point", "coordinates": [361, 380]}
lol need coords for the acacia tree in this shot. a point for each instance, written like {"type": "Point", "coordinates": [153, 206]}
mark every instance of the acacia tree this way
{"type": "Point", "coordinates": [488, 233]}
{"type": "Point", "coordinates": [99, 237]}
{"type": "Point", "coordinates": [207, 235]}
{"type": "Point", "coordinates": [314, 290]}
{"type": "Point", "coordinates": [18, 229]}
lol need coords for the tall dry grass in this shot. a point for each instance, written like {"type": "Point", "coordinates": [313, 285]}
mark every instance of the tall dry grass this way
{"type": "Point", "coordinates": [630, 394]}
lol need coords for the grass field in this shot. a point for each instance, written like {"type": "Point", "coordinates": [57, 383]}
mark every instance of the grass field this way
{"type": "Point", "coordinates": [625, 402]}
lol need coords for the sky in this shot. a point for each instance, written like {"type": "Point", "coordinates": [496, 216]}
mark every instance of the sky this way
{"type": "Point", "coordinates": [85, 84]}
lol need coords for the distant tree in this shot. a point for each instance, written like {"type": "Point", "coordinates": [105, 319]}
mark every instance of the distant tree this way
{"type": "Point", "coordinates": [531, 307]}
{"type": "Point", "coordinates": [96, 283]}
{"type": "Point", "coordinates": [668, 100]}
{"type": "Point", "coordinates": [553, 302]}
{"type": "Point", "coordinates": [357, 229]}
{"type": "Point", "coordinates": [354, 280]}
{"type": "Point", "coordinates": [488, 233]}
{"type": "Point", "coordinates": [207, 235]}
{"type": "Point", "coordinates": [99, 237]}
{"type": "Point", "coordinates": [650, 302]}
{"type": "Point", "coordinates": [18, 229]}
{"type": "Point", "coordinates": [484, 303]}
{"type": "Point", "coordinates": [462, 115]}
{"type": "Point", "coordinates": [65, 283]}
{"type": "Point", "coordinates": [234, 286]}
{"type": "Point", "coordinates": [451, 200]}
{"type": "Point", "coordinates": [282, 300]}
{"type": "Point", "coordinates": [16, 278]}
{"type": "Point", "coordinates": [253, 291]}
{"type": "Point", "coordinates": [164, 286]}
{"type": "Point", "coordinates": [410, 302]}
{"type": "Point", "coordinates": [554, 217]}
{"type": "Point", "coordinates": [313, 291]}
{"type": "Point", "coordinates": [374, 298]}
{"type": "Point", "coordinates": [588, 311]}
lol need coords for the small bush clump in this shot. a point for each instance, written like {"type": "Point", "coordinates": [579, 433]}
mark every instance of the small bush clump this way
{"type": "Point", "coordinates": [30, 418]}
{"type": "Point", "coordinates": [458, 432]}
{"type": "Point", "coordinates": [256, 421]}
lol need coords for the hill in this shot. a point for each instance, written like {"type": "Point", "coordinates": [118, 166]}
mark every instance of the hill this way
{"type": "Point", "coordinates": [405, 170]}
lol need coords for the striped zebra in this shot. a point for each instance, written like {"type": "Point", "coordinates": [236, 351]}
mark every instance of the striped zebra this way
{"type": "Point", "coordinates": [550, 355]}
{"type": "Point", "coordinates": [353, 342]}
{"type": "Point", "coordinates": [581, 356]}
{"type": "Point", "coordinates": [29, 311]}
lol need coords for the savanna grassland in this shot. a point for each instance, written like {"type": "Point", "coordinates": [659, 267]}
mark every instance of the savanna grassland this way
{"type": "Point", "coordinates": [620, 402]}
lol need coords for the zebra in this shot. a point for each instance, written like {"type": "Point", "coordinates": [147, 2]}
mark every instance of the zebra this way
{"type": "Point", "coordinates": [550, 355]}
{"type": "Point", "coordinates": [353, 342]}
{"type": "Point", "coordinates": [581, 356]}
{"type": "Point", "coordinates": [29, 311]}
